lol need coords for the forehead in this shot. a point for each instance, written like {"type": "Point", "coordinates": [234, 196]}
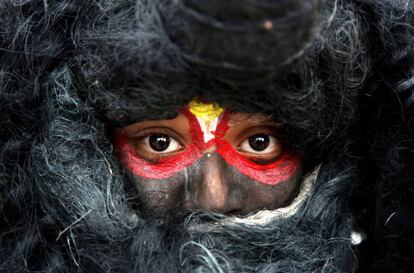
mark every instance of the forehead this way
{"type": "Point", "coordinates": [178, 122]}
{"type": "Point", "coordinates": [235, 119]}
{"type": "Point", "coordinates": [209, 111]}
{"type": "Point", "coordinates": [241, 119]}
{"type": "Point", "coordinates": [206, 113]}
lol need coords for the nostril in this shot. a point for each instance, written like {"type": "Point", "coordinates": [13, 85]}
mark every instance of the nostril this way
{"type": "Point", "coordinates": [221, 201]}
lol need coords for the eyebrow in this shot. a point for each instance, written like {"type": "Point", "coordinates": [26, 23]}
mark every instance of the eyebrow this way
{"type": "Point", "coordinates": [254, 120]}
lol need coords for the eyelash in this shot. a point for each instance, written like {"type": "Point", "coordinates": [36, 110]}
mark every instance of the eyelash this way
{"type": "Point", "coordinates": [148, 151]}
{"type": "Point", "coordinates": [147, 141]}
{"type": "Point", "coordinates": [272, 142]}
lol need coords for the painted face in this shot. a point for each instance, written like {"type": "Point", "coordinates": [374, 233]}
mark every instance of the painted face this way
{"type": "Point", "coordinates": [209, 158]}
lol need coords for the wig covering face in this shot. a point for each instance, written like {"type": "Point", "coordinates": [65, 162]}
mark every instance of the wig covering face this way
{"type": "Point", "coordinates": [338, 75]}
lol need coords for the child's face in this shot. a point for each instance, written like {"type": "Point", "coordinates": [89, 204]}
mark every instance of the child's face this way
{"type": "Point", "coordinates": [209, 158]}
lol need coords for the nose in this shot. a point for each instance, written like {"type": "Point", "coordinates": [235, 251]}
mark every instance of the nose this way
{"type": "Point", "coordinates": [215, 191]}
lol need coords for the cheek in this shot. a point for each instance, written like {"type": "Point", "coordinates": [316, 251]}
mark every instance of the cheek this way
{"type": "Point", "coordinates": [256, 195]}
{"type": "Point", "coordinates": [162, 169]}
{"type": "Point", "coordinates": [273, 196]}
{"type": "Point", "coordinates": [158, 196]}
{"type": "Point", "coordinates": [284, 168]}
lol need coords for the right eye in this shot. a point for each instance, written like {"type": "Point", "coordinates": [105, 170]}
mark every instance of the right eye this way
{"type": "Point", "coordinates": [159, 143]}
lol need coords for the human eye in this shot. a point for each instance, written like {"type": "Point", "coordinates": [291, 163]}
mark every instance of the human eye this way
{"type": "Point", "coordinates": [159, 143]}
{"type": "Point", "coordinates": [261, 146]}
{"type": "Point", "coordinates": [153, 144]}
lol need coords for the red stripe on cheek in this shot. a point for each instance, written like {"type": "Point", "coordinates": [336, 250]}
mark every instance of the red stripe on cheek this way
{"type": "Point", "coordinates": [271, 174]}
{"type": "Point", "coordinates": [163, 168]}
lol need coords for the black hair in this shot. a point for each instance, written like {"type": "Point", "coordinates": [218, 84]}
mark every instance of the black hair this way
{"type": "Point", "coordinates": [337, 74]}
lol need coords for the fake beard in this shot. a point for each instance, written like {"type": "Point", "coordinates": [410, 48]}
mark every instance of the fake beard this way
{"type": "Point", "coordinates": [86, 223]}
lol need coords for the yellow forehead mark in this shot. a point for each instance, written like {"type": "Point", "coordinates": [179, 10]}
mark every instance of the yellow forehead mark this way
{"type": "Point", "coordinates": [205, 111]}
{"type": "Point", "coordinates": [208, 116]}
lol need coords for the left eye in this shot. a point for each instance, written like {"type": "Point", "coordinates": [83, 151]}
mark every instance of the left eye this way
{"type": "Point", "coordinates": [260, 144]}
{"type": "Point", "coordinates": [161, 143]}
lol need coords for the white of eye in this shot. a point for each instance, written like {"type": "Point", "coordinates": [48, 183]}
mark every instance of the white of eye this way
{"type": "Point", "coordinates": [161, 143]}
{"type": "Point", "coordinates": [259, 144]}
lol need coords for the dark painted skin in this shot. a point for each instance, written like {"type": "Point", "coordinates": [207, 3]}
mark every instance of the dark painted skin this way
{"type": "Point", "coordinates": [210, 183]}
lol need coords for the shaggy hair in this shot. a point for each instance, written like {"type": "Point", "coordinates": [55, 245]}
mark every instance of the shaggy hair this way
{"type": "Point", "coordinates": [339, 75]}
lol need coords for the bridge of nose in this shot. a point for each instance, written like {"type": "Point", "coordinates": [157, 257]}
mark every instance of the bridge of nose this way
{"type": "Point", "coordinates": [214, 190]}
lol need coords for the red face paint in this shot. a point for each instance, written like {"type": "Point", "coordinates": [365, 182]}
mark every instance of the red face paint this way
{"type": "Point", "coordinates": [163, 168]}
{"type": "Point", "coordinates": [197, 133]}
{"type": "Point", "coordinates": [282, 169]}
{"type": "Point", "coordinates": [273, 173]}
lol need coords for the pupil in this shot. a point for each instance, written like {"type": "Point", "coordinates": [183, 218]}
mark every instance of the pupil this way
{"type": "Point", "coordinates": [259, 142]}
{"type": "Point", "coordinates": [159, 142]}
